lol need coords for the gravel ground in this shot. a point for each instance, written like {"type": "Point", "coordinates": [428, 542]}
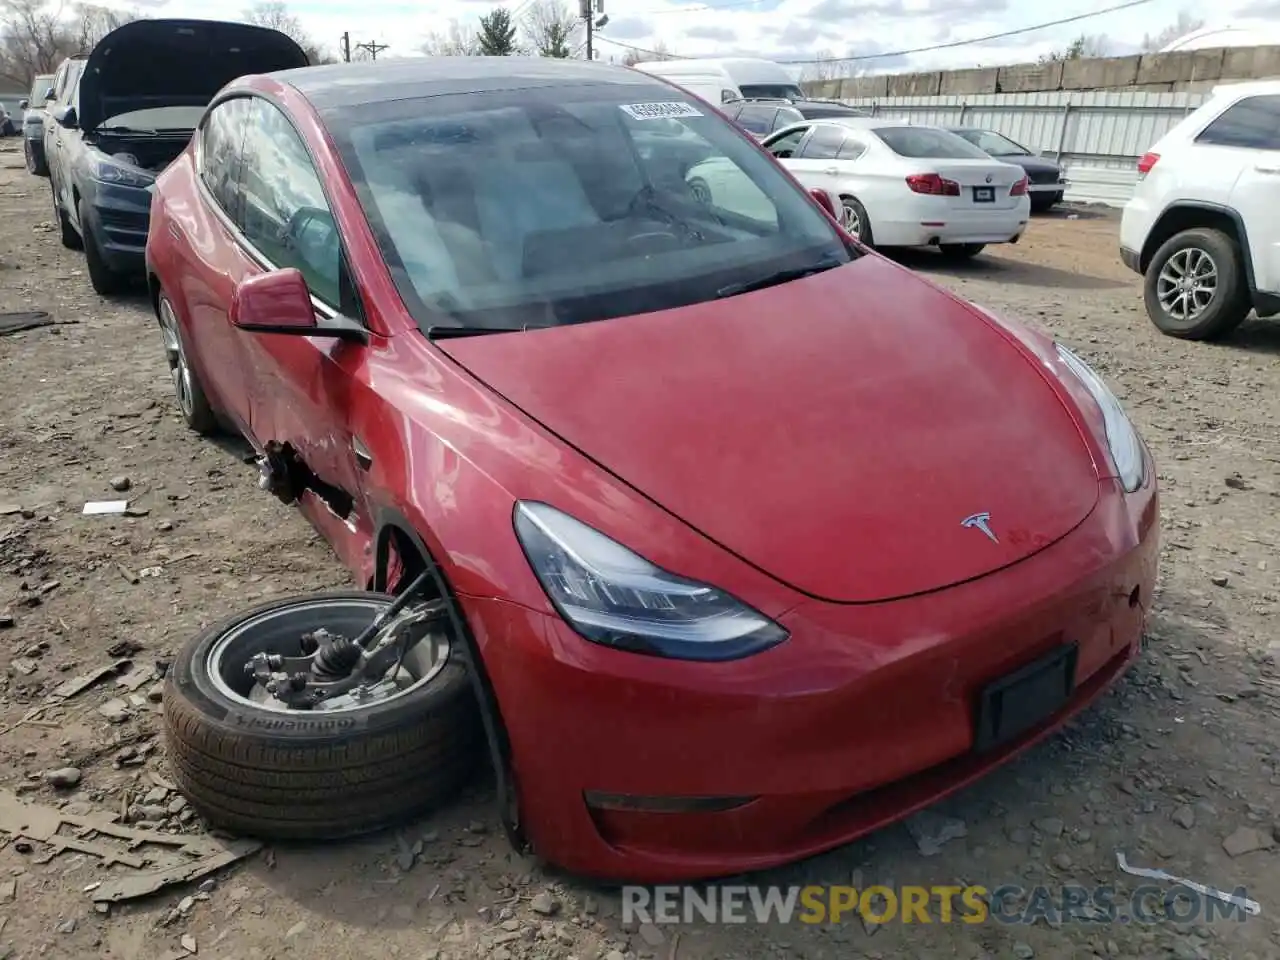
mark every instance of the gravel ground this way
{"type": "Point", "coordinates": [1177, 768]}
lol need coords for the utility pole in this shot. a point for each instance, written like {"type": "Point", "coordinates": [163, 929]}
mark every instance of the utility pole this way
{"type": "Point", "coordinates": [587, 10]}
{"type": "Point", "coordinates": [373, 47]}
{"type": "Point", "coordinates": [346, 46]}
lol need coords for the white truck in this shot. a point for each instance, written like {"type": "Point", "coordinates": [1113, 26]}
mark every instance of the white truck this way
{"type": "Point", "coordinates": [720, 80]}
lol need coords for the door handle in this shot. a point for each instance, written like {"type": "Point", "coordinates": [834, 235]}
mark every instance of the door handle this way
{"type": "Point", "coordinates": [1260, 168]}
{"type": "Point", "coordinates": [832, 171]}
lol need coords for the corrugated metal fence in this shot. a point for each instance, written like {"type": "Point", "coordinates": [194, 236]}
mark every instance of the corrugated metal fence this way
{"type": "Point", "coordinates": [1097, 136]}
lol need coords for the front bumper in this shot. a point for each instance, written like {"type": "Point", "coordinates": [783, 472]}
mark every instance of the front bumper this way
{"type": "Point", "coordinates": [119, 217]}
{"type": "Point", "coordinates": [863, 716]}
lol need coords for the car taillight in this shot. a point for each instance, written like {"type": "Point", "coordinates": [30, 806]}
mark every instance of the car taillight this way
{"type": "Point", "coordinates": [1146, 162]}
{"type": "Point", "coordinates": [933, 185]}
{"type": "Point", "coordinates": [1019, 189]}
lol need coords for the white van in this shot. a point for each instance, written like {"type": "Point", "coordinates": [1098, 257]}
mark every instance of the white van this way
{"type": "Point", "coordinates": [732, 77]}
{"type": "Point", "coordinates": [701, 78]}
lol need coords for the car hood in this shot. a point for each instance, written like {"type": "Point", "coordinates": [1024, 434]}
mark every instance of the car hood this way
{"type": "Point", "coordinates": [1032, 164]}
{"type": "Point", "coordinates": [835, 432]}
{"type": "Point", "coordinates": [169, 63]}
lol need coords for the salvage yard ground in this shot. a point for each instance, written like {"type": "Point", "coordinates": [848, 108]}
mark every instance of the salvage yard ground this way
{"type": "Point", "coordinates": [1178, 768]}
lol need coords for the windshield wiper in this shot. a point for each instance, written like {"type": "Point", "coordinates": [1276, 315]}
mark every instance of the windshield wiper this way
{"type": "Point", "coordinates": [134, 131]}
{"type": "Point", "coordinates": [448, 333]}
{"type": "Point", "coordinates": [780, 277]}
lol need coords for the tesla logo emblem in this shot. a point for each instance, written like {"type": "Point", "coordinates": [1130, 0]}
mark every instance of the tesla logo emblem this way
{"type": "Point", "coordinates": [980, 521]}
{"type": "Point", "coordinates": [988, 178]}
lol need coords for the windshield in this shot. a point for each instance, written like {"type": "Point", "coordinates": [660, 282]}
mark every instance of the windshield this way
{"type": "Point", "coordinates": [994, 143]}
{"type": "Point", "coordinates": [929, 143]}
{"type": "Point", "coordinates": [157, 118]}
{"type": "Point", "coordinates": [557, 205]}
{"type": "Point", "coordinates": [785, 91]}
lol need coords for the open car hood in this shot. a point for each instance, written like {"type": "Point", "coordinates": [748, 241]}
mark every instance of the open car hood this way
{"type": "Point", "coordinates": [172, 63]}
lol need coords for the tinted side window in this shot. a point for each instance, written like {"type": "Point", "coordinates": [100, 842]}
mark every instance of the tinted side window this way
{"type": "Point", "coordinates": [784, 147]}
{"type": "Point", "coordinates": [1253, 122]}
{"type": "Point", "coordinates": [825, 144]}
{"type": "Point", "coordinates": [221, 140]}
{"type": "Point", "coordinates": [758, 120]}
{"type": "Point", "coordinates": [852, 149]}
{"type": "Point", "coordinates": [284, 213]}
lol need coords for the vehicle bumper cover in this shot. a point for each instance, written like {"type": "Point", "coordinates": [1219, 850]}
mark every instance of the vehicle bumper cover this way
{"type": "Point", "coordinates": [864, 715]}
{"type": "Point", "coordinates": [1130, 259]}
{"type": "Point", "coordinates": [119, 217]}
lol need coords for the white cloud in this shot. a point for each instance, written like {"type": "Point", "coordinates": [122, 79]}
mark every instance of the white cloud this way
{"type": "Point", "coordinates": [779, 29]}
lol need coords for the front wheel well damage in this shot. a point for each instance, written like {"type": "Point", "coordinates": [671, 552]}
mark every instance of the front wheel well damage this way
{"type": "Point", "coordinates": [396, 533]}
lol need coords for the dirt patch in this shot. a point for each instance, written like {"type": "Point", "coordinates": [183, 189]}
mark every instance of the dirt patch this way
{"type": "Point", "coordinates": [1180, 757]}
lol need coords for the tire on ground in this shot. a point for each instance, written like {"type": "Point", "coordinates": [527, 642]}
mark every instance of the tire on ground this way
{"type": "Point", "coordinates": [305, 775]}
{"type": "Point", "coordinates": [1231, 303]}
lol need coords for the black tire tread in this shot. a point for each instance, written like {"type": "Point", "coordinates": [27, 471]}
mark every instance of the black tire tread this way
{"type": "Point", "coordinates": [102, 278]}
{"type": "Point", "coordinates": [1223, 316]}
{"type": "Point", "coordinates": [329, 786]}
{"type": "Point", "coordinates": [866, 234]}
{"type": "Point", "coordinates": [204, 420]}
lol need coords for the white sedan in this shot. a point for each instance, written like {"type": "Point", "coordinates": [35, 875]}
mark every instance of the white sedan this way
{"type": "Point", "coordinates": [898, 184]}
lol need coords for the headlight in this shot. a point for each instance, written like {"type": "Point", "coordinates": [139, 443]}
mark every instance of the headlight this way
{"type": "Point", "coordinates": [614, 597]}
{"type": "Point", "coordinates": [1122, 438]}
{"type": "Point", "coordinates": [106, 171]}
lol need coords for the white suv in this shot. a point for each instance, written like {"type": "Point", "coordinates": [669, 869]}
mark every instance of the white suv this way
{"type": "Point", "coordinates": [1202, 226]}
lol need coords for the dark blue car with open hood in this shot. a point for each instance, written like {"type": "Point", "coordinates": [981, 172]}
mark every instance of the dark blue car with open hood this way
{"type": "Point", "coordinates": [141, 95]}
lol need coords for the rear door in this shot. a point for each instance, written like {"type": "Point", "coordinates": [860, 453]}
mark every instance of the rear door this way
{"type": "Point", "coordinates": [1242, 148]}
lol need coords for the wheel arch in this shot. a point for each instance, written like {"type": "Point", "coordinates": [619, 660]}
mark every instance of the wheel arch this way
{"type": "Point", "coordinates": [391, 525]}
{"type": "Point", "coordinates": [1190, 214]}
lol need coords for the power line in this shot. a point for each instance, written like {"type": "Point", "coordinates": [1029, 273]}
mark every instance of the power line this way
{"type": "Point", "coordinates": [929, 49]}
{"type": "Point", "coordinates": [964, 43]}
{"type": "Point", "coordinates": [373, 47]}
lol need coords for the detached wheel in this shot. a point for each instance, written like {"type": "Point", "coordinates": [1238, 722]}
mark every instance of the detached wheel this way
{"type": "Point", "coordinates": [196, 409]}
{"type": "Point", "coordinates": [1196, 287]}
{"type": "Point", "coordinates": [961, 251]}
{"type": "Point", "coordinates": [252, 765]}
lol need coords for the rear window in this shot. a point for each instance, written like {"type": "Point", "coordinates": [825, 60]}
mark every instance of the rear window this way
{"type": "Point", "coordinates": [552, 205]}
{"type": "Point", "coordinates": [928, 143]}
{"type": "Point", "coordinates": [776, 91]}
{"type": "Point", "coordinates": [1253, 122]}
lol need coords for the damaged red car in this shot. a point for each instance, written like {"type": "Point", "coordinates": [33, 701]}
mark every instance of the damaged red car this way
{"type": "Point", "coordinates": [738, 540]}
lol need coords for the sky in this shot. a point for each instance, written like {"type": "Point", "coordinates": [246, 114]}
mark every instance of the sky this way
{"type": "Point", "coordinates": [783, 30]}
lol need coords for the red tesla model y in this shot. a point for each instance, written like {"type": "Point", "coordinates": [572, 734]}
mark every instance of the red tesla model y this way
{"type": "Point", "coordinates": [759, 540]}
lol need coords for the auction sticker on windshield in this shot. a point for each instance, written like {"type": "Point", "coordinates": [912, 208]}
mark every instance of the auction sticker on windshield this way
{"type": "Point", "coordinates": [659, 111]}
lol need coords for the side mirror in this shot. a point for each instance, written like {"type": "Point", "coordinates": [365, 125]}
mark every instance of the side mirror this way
{"type": "Point", "coordinates": [824, 200]}
{"type": "Point", "coordinates": [279, 302]}
{"type": "Point", "coordinates": [49, 94]}
{"type": "Point", "coordinates": [23, 104]}
{"type": "Point", "coordinates": [65, 117]}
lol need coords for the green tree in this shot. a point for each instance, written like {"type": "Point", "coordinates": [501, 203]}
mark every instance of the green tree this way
{"type": "Point", "coordinates": [497, 36]}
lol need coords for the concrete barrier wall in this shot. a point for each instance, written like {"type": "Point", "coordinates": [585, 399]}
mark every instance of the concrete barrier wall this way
{"type": "Point", "coordinates": [1182, 71]}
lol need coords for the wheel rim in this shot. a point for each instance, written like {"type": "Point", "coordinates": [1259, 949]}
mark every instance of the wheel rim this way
{"type": "Point", "coordinates": [850, 220]}
{"type": "Point", "coordinates": [700, 191]}
{"type": "Point", "coordinates": [179, 369]}
{"type": "Point", "coordinates": [1187, 284]}
{"type": "Point", "coordinates": [281, 630]}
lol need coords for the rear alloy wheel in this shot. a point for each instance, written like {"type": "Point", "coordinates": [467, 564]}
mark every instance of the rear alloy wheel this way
{"type": "Point", "coordinates": [102, 278]}
{"type": "Point", "coordinates": [1195, 286]}
{"type": "Point", "coordinates": [187, 389]}
{"type": "Point", "coordinates": [853, 217]}
{"type": "Point", "coordinates": [402, 739]}
{"type": "Point", "coordinates": [961, 251]}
